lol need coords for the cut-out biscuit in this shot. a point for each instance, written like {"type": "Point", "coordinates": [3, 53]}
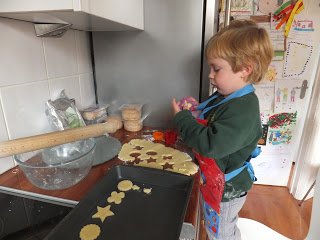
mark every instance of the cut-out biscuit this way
{"type": "Point", "coordinates": [125, 185]}
{"type": "Point", "coordinates": [90, 232]}
{"type": "Point", "coordinates": [103, 213]}
{"type": "Point", "coordinates": [147, 190]}
{"type": "Point", "coordinates": [116, 197]}
{"type": "Point", "coordinates": [135, 187]}
{"type": "Point", "coordinates": [187, 168]}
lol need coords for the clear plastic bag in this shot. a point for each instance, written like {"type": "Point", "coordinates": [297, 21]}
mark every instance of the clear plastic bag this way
{"type": "Point", "coordinates": [63, 114]}
{"type": "Point", "coordinates": [94, 112]}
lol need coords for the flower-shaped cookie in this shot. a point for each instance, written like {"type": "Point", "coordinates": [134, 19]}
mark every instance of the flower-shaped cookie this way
{"type": "Point", "coordinates": [116, 197]}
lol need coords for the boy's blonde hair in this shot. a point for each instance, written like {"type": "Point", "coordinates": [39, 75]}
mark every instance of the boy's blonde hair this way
{"type": "Point", "coordinates": [243, 44]}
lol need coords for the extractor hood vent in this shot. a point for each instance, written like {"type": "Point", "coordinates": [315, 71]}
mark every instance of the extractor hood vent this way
{"type": "Point", "coordinates": [51, 29]}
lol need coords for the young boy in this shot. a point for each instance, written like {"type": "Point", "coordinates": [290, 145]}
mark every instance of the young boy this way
{"type": "Point", "coordinates": [225, 136]}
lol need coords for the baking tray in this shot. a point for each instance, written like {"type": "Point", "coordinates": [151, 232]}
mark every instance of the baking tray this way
{"type": "Point", "coordinates": [140, 216]}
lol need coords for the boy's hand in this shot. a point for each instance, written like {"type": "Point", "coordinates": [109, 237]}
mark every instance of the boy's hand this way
{"type": "Point", "coordinates": [188, 103]}
{"type": "Point", "coordinates": [175, 106]}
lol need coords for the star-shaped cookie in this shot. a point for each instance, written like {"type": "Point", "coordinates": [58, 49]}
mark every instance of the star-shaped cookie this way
{"type": "Point", "coordinates": [103, 213]}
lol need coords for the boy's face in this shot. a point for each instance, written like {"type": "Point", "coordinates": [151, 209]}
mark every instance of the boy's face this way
{"type": "Point", "coordinates": [223, 78]}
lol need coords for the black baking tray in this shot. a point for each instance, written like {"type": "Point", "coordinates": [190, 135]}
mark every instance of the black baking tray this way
{"type": "Point", "coordinates": [139, 216]}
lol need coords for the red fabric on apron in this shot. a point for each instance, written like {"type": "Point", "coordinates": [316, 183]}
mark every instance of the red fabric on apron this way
{"type": "Point", "coordinates": [213, 181]}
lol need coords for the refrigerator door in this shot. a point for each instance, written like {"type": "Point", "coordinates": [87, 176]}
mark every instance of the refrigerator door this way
{"type": "Point", "coordinates": [155, 65]}
{"type": "Point", "coordinates": [210, 28]}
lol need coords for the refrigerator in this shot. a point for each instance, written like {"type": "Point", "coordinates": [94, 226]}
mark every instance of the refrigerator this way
{"type": "Point", "coordinates": [161, 62]}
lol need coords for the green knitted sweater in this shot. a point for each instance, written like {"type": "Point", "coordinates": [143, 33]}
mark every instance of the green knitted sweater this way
{"type": "Point", "coordinates": [233, 131]}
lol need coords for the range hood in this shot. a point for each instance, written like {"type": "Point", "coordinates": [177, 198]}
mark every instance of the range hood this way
{"type": "Point", "coordinates": [87, 15]}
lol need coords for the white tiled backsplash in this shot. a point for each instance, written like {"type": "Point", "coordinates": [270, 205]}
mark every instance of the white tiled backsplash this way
{"type": "Point", "coordinates": [33, 70]}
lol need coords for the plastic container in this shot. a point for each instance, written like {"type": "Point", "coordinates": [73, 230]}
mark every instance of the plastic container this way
{"type": "Point", "coordinates": [170, 137]}
{"type": "Point", "coordinates": [130, 112]}
{"type": "Point", "coordinates": [158, 136]}
{"type": "Point", "coordinates": [58, 167]}
{"type": "Point", "coordinates": [116, 119]}
{"type": "Point", "coordinates": [94, 112]}
{"type": "Point", "coordinates": [133, 125]}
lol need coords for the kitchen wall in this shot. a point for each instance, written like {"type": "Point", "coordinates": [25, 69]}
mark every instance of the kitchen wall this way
{"type": "Point", "coordinates": [33, 70]}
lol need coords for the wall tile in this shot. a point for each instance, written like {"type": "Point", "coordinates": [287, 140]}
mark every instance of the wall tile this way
{"type": "Point", "coordinates": [3, 130]}
{"type": "Point", "coordinates": [83, 52]}
{"type": "Point", "coordinates": [60, 55]}
{"type": "Point", "coordinates": [71, 86]}
{"type": "Point", "coordinates": [22, 58]}
{"type": "Point", "coordinates": [33, 70]}
{"type": "Point", "coordinates": [87, 90]}
{"type": "Point", "coordinates": [24, 109]}
{"type": "Point", "coordinates": [7, 162]}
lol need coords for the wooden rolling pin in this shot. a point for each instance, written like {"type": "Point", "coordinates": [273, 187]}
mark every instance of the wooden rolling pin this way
{"type": "Point", "coordinates": [36, 142]}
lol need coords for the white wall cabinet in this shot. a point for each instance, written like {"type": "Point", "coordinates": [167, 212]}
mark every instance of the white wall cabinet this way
{"type": "Point", "coordinates": [87, 15]}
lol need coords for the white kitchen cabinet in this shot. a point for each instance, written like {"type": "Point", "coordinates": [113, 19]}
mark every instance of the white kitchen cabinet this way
{"type": "Point", "coordinates": [88, 15]}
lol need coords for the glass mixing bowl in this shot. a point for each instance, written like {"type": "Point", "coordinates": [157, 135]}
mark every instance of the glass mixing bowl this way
{"type": "Point", "coordinates": [58, 167]}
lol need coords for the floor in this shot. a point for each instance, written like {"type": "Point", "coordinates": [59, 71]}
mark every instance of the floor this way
{"type": "Point", "coordinates": [276, 208]}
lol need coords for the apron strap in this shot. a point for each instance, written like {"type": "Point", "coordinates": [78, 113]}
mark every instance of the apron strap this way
{"type": "Point", "coordinates": [256, 152]}
{"type": "Point", "coordinates": [248, 165]}
{"type": "Point", "coordinates": [239, 93]}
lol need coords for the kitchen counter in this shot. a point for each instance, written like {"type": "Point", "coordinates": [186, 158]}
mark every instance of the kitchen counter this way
{"type": "Point", "coordinates": [14, 182]}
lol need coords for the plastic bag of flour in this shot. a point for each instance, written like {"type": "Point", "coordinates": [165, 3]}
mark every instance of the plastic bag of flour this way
{"type": "Point", "coordinates": [63, 114]}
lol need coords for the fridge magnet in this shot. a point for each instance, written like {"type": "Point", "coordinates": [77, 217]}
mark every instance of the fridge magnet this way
{"type": "Point", "coordinates": [297, 59]}
{"type": "Point", "coordinates": [281, 127]}
{"type": "Point", "coordinates": [271, 74]}
{"type": "Point", "coordinates": [263, 139]}
{"type": "Point", "coordinates": [274, 72]}
{"type": "Point", "coordinates": [303, 89]}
